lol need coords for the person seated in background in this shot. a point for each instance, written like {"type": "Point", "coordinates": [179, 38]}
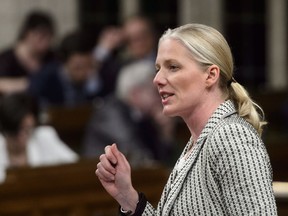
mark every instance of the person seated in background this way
{"type": "Point", "coordinates": [140, 37]}
{"type": "Point", "coordinates": [109, 42]}
{"type": "Point", "coordinates": [25, 143]}
{"type": "Point", "coordinates": [31, 51]}
{"type": "Point", "coordinates": [70, 81]}
{"type": "Point", "coordinates": [120, 46]}
{"type": "Point", "coordinates": [133, 117]}
{"type": "Point", "coordinates": [135, 39]}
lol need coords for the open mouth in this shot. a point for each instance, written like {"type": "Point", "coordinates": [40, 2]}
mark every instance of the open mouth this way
{"type": "Point", "coordinates": [164, 96]}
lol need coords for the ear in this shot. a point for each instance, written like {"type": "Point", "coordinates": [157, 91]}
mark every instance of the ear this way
{"type": "Point", "coordinates": [213, 75]}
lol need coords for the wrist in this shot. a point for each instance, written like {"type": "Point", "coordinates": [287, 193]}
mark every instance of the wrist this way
{"type": "Point", "coordinates": [129, 200]}
{"type": "Point", "coordinates": [141, 205]}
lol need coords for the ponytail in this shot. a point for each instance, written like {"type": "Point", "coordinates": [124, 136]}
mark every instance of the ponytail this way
{"type": "Point", "coordinates": [246, 107]}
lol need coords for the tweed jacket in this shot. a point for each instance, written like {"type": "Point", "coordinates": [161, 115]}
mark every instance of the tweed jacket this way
{"type": "Point", "coordinates": [228, 172]}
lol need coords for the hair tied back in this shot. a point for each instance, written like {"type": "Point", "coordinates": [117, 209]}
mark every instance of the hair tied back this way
{"type": "Point", "coordinates": [232, 80]}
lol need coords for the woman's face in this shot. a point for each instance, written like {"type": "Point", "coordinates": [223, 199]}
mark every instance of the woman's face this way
{"type": "Point", "coordinates": [180, 79]}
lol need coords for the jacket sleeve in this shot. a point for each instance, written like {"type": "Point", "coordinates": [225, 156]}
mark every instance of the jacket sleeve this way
{"type": "Point", "coordinates": [142, 206]}
{"type": "Point", "coordinates": [244, 171]}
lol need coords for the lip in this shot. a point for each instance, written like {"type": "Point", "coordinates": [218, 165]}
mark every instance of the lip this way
{"type": "Point", "coordinates": [165, 96]}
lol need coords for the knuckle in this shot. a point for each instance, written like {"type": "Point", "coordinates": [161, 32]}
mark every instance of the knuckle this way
{"type": "Point", "coordinates": [101, 157]}
{"type": "Point", "coordinates": [107, 148]}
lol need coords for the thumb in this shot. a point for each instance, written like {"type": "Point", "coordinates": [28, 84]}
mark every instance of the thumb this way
{"type": "Point", "coordinates": [119, 156]}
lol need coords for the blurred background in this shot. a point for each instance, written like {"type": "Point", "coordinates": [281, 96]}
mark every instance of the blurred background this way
{"type": "Point", "coordinates": [78, 74]}
{"type": "Point", "coordinates": [256, 31]}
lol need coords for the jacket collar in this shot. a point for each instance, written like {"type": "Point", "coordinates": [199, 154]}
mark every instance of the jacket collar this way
{"type": "Point", "coordinates": [224, 110]}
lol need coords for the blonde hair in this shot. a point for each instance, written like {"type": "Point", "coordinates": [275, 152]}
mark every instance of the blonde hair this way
{"type": "Point", "coordinates": [209, 47]}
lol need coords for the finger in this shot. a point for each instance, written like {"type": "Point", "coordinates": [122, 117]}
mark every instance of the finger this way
{"type": "Point", "coordinates": [104, 174]}
{"type": "Point", "coordinates": [118, 155]}
{"type": "Point", "coordinates": [101, 177]}
{"type": "Point", "coordinates": [110, 156]}
{"type": "Point", "coordinates": [107, 164]}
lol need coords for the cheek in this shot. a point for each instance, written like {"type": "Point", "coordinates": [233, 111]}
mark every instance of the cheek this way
{"type": "Point", "coordinates": [183, 86]}
{"type": "Point", "coordinates": [189, 92]}
{"type": "Point", "coordinates": [43, 44]}
{"type": "Point", "coordinates": [191, 83]}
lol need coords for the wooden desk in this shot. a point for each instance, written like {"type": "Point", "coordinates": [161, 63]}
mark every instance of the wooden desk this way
{"type": "Point", "coordinates": [69, 190]}
{"type": "Point", "coordinates": [74, 190]}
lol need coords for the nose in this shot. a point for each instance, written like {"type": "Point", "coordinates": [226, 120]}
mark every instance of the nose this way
{"type": "Point", "coordinates": [159, 79]}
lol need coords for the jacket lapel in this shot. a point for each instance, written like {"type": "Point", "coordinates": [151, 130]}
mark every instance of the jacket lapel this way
{"type": "Point", "coordinates": [178, 181]}
{"type": "Point", "coordinates": [224, 110]}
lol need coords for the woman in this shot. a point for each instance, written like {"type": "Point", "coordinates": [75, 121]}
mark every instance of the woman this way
{"type": "Point", "coordinates": [22, 143]}
{"type": "Point", "coordinates": [224, 168]}
{"type": "Point", "coordinates": [31, 51]}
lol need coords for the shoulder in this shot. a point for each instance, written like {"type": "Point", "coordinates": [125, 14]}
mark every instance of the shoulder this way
{"type": "Point", "coordinates": [235, 145]}
{"type": "Point", "coordinates": [235, 127]}
{"type": "Point", "coordinates": [8, 59]}
{"type": "Point", "coordinates": [234, 134]}
{"type": "Point", "coordinates": [46, 137]}
{"type": "Point", "coordinates": [45, 134]}
{"type": "Point", "coordinates": [50, 70]}
{"type": "Point", "coordinates": [108, 107]}
{"type": "Point", "coordinates": [48, 147]}
{"type": "Point", "coordinates": [45, 131]}
{"type": "Point", "coordinates": [47, 78]}
{"type": "Point", "coordinates": [8, 62]}
{"type": "Point", "coordinates": [7, 54]}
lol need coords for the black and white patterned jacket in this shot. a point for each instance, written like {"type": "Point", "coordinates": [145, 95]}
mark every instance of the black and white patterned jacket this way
{"type": "Point", "coordinates": [227, 173]}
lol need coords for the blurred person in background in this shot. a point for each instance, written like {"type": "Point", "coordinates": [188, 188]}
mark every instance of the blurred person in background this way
{"type": "Point", "coordinates": [133, 118]}
{"type": "Point", "coordinates": [70, 81]}
{"type": "Point", "coordinates": [109, 42]}
{"type": "Point", "coordinates": [31, 51]}
{"type": "Point", "coordinates": [120, 46]}
{"type": "Point", "coordinates": [140, 39]}
{"type": "Point", "coordinates": [22, 141]}
{"type": "Point", "coordinates": [136, 39]}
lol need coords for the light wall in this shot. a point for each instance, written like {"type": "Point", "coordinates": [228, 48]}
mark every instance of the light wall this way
{"type": "Point", "coordinates": [12, 13]}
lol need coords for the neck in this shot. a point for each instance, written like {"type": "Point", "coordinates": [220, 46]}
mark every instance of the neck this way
{"type": "Point", "coordinates": [198, 118]}
{"type": "Point", "coordinates": [17, 155]}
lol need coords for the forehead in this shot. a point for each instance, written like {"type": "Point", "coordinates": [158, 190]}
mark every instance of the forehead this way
{"type": "Point", "coordinates": [172, 48]}
{"type": "Point", "coordinates": [135, 26]}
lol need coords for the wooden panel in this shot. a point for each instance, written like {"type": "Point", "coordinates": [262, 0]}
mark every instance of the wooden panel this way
{"type": "Point", "coordinates": [69, 190]}
{"type": "Point", "coordinates": [70, 123]}
{"type": "Point", "coordinates": [73, 189]}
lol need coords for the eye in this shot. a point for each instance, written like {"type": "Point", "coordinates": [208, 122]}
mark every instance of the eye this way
{"type": "Point", "coordinates": [157, 69]}
{"type": "Point", "coordinates": [173, 67]}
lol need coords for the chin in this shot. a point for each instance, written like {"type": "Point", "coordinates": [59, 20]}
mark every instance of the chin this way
{"type": "Point", "coordinates": [169, 112]}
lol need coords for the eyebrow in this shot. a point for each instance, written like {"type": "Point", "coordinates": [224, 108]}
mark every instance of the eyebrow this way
{"type": "Point", "coordinates": [168, 61]}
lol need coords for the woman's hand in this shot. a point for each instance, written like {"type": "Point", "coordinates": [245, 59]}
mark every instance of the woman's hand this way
{"type": "Point", "coordinates": [114, 173]}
